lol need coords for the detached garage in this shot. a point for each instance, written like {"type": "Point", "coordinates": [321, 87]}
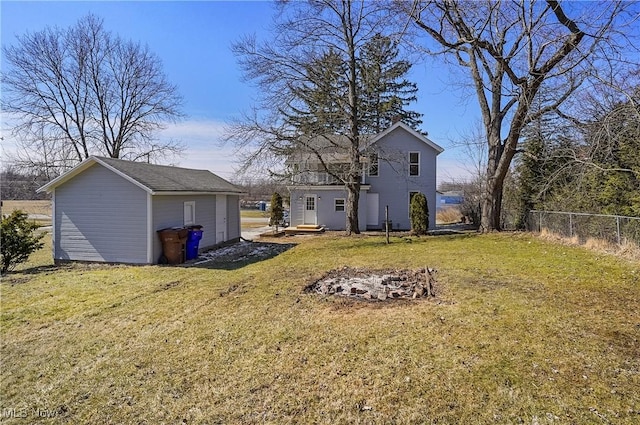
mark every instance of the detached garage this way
{"type": "Point", "coordinates": [110, 210]}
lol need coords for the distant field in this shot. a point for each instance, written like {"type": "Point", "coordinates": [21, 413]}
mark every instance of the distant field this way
{"type": "Point", "coordinates": [41, 210]}
{"type": "Point", "coordinates": [254, 214]}
{"type": "Point", "coordinates": [252, 219]}
{"type": "Point", "coordinates": [30, 207]}
{"type": "Point", "coordinates": [521, 330]}
{"type": "Point", "coordinates": [44, 208]}
{"type": "Point", "coordinates": [449, 215]}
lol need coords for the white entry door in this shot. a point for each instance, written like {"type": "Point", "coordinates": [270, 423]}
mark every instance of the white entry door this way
{"type": "Point", "coordinates": [373, 208]}
{"type": "Point", "coordinates": [310, 209]}
{"type": "Point", "coordinates": [221, 218]}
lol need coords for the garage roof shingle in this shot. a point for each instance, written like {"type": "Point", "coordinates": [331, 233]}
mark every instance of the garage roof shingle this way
{"type": "Point", "coordinates": [154, 178]}
{"type": "Point", "coordinates": [164, 178]}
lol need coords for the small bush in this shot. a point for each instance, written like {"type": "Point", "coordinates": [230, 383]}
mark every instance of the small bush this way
{"type": "Point", "coordinates": [276, 210]}
{"type": "Point", "coordinates": [18, 240]}
{"type": "Point", "coordinates": [419, 214]}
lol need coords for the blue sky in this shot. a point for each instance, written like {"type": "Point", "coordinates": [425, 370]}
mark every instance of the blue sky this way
{"type": "Point", "coordinates": [193, 41]}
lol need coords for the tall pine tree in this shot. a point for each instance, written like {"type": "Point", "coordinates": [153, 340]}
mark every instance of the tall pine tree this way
{"type": "Point", "coordinates": [385, 92]}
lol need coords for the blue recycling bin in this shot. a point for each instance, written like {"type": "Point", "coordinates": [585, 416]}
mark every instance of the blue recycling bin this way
{"type": "Point", "coordinates": [193, 242]}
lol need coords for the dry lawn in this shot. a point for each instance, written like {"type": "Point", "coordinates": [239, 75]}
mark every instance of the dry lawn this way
{"type": "Point", "coordinates": [627, 249]}
{"type": "Point", "coordinates": [521, 331]}
{"type": "Point", "coordinates": [450, 215]}
{"type": "Point", "coordinates": [30, 207]}
{"type": "Point", "coordinates": [42, 209]}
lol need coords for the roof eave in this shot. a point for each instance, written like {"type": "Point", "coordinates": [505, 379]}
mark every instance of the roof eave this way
{"type": "Point", "coordinates": [84, 165]}
{"type": "Point", "coordinates": [439, 149]}
{"type": "Point", "coordinates": [311, 187]}
{"type": "Point", "coordinates": [195, 192]}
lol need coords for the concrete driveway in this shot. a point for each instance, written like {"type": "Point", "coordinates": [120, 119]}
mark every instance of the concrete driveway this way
{"type": "Point", "coordinates": [250, 229]}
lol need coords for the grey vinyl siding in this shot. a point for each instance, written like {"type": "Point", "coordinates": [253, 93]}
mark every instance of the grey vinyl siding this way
{"type": "Point", "coordinates": [168, 211]}
{"type": "Point", "coordinates": [325, 207]}
{"type": "Point", "coordinates": [100, 216]}
{"type": "Point", "coordinates": [393, 182]}
{"type": "Point", "coordinates": [233, 217]}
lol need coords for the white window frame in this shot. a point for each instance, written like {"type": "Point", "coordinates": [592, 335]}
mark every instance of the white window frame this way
{"type": "Point", "coordinates": [417, 164]}
{"type": "Point", "coordinates": [335, 204]}
{"type": "Point", "coordinates": [189, 211]}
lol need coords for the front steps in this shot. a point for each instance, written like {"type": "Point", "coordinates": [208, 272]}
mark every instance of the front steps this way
{"type": "Point", "coordinates": [303, 229]}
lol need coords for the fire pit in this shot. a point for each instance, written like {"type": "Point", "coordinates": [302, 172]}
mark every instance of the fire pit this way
{"type": "Point", "coordinates": [376, 285]}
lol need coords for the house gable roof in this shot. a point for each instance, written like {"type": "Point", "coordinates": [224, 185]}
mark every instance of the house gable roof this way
{"type": "Point", "coordinates": [333, 145]}
{"type": "Point", "coordinates": [154, 179]}
{"type": "Point", "coordinates": [414, 133]}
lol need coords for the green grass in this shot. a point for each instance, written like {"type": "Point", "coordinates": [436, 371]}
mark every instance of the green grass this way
{"type": "Point", "coordinates": [521, 331]}
{"type": "Point", "coordinates": [254, 214]}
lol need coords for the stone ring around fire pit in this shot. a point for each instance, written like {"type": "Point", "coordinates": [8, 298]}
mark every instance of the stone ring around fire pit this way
{"type": "Point", "coordinates": [380, 285]}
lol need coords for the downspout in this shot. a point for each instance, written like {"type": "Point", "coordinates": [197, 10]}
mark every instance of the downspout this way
{"type": "Point", "coordinates": [149, 229]}
{"type": "Point", "coordinates": [53, 224]}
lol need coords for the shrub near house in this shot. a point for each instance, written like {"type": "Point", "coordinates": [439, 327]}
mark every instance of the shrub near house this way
{"type": "Point", "coordinates": [18, 240]}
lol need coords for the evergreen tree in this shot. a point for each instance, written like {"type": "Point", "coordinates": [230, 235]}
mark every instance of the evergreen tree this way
{"type": "Point", "coordinates": [316, 107]}
{"type": "Point", "coordinates": [529, 173]}
{"type": "Point", "coordinates": [18, 240]}
{"type": "Point", "coordinates": [419, 214]}
{"type": "Point", "coordinates": [615, 143]}
{"type": "Point", "coordinates": [595, 170]}
{"type": "Point", "coordinates": [385, 92]}
{"type": "Point", "coordinates": [277, 211]}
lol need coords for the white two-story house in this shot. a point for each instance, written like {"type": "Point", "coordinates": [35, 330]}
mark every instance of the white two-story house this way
{"type": "Point", "coordinates": [396, 164]}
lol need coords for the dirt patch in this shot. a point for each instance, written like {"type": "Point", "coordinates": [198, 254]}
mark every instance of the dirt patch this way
{"type": "Point", "coordinates": [377, 285]}
{"type": "Point", "coordinates": [242, 252]}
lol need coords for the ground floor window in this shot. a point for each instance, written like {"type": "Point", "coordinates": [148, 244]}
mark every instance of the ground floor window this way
{"type": "Point", "coordinates": [339, 204]}
{"type": "Point", "coordinates": [189, 213]}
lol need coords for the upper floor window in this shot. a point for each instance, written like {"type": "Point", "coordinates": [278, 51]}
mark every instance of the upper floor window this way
{"type": "Point", "coordinates": [373, 164]}
{"type": "Point", "coordinates": [414, 163]}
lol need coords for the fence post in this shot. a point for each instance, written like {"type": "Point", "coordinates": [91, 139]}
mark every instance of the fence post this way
{"type": "Point", "coordinates": [618, 229]}
{"type": "Point", "coordinates": [570, 225]}
{"type": "Point", "coordinates": [386, 222]}
{"type": "Point", "coordinates": [540, 223]}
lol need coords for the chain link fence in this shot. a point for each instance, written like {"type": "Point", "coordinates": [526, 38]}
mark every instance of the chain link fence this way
{"type": "Point", "coordinates": [614, 229]}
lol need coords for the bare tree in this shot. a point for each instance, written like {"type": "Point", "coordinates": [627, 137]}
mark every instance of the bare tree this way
{"type": "Point", "coordinates": [83, 91]}
{"type": "Point", "coordinates": [513, 50]}
{"type": "Point", "coordinates": [316, 44]}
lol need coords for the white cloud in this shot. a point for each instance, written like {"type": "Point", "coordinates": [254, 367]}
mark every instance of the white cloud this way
{"type": "Point", "coordinates": [204, 148]}
{"type": "Point", "coordinates": [195, 130]}
{"type": "Point", "coordinates": [453, 170]}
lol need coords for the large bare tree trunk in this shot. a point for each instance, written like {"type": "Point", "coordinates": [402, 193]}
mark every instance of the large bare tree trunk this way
{"type": "Point", "coordinates": [511, 50]}
{"type": "Point", "coordinates": [353, 198]}
{"type": "Point", "coordinates": [353, 182]}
